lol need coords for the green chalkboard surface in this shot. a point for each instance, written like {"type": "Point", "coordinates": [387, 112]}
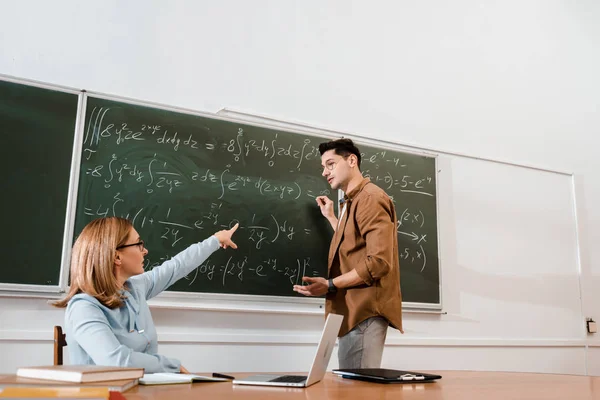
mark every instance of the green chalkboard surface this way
{"type": "Point", "coordinates": [37, 127]}
{"type": "Point", "coordinates": [181, 177]}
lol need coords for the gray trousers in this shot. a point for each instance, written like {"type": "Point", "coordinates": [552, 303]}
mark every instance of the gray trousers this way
{"type": "Point", "coordinates": [362, 347]}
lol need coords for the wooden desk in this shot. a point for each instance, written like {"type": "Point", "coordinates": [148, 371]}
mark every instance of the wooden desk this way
{"type": "Point", "coordinates": [454, 385]}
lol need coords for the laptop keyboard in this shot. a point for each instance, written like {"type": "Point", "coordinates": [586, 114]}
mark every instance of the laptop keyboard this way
{"type": "Point", "coordinates": [290, 379]}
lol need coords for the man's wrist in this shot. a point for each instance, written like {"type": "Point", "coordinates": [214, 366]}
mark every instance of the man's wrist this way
{"type": "Point", "coordinates": [331, 288]}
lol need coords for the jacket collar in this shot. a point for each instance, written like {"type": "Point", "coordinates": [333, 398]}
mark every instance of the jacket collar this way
{"type": "Point", "coordinates": [352, 194]}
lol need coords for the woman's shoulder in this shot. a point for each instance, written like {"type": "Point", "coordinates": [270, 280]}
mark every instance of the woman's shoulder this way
{"type": "Point", "coordinates": [83, 300]}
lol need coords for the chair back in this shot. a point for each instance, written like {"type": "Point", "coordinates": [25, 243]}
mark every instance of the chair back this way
{"type": "Point", "coordinates": [60, 341]}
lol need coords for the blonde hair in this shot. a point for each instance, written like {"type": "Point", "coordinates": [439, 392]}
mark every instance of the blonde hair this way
{"type": "Point", "coordinates": [92, 261]}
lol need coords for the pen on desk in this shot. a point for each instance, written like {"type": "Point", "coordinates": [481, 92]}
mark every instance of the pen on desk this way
{"type": "Point", "coordinates": [218, 375]}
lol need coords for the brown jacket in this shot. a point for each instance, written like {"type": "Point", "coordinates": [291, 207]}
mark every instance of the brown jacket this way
{"type": "Point", "coordinates": [366, 240]}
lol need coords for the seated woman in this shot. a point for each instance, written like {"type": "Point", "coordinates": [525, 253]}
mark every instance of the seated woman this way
{"type": "Point", "coordinates": [108, 321]}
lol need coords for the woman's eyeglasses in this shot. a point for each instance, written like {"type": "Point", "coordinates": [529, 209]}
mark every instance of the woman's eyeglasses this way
{"type": "Point", "coordinates": [140, 245]}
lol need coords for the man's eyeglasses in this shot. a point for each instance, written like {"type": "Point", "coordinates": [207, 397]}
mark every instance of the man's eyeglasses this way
{"type": "Point", "coordinates": [331, 165]}
{"type": "Point", "coordinates": [140, 245]}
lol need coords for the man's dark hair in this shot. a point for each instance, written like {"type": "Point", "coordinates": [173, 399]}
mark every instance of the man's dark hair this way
{"type": "Point", "coordinates": [342, 147]}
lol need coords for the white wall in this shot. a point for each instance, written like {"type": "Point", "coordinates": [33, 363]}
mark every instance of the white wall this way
{"type": "Point", "coordinates": [511, 80]}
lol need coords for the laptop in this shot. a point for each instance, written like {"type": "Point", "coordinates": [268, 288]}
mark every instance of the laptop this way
{"type": "Point", "coordinates": [382, 375]}
{"type": "Point", "coordinates": [319, 365]}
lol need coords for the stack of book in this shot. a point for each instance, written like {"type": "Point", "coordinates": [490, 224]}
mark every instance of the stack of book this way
{"type": "Point", "coordinates": [70, 381]}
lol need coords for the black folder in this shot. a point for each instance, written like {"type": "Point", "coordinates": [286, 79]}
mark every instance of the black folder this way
{"type": "Point", "coordinates": [382, 375]}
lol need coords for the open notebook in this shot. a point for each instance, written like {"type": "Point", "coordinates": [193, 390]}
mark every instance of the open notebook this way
{"type": "Point", "coordinates": [319, 365]}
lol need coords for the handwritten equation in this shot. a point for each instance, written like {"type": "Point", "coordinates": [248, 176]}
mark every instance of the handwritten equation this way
{"type": "Point", "coordinates": [241, 146]}
{"type": "Point", "coordinates": [265, 269]}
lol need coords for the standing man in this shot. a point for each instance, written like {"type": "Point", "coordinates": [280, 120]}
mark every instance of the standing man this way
{"type": "Point", "coordinates": [364, 272]}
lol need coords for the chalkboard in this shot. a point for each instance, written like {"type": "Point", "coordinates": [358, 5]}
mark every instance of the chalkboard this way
{"type": "Point", "coordinates": [181, 177]}
{"type": "Point", "coordinates": [410, 180]}
{"type": "Point", "coordinates": [37, 127]}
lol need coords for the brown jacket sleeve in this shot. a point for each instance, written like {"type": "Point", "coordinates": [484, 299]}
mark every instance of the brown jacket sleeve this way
{"type": "Point", "coordinates": [374, 216]}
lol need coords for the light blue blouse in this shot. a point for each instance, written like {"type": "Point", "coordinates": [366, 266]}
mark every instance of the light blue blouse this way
{"type": "Point", "coordinates": [126, 336]}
